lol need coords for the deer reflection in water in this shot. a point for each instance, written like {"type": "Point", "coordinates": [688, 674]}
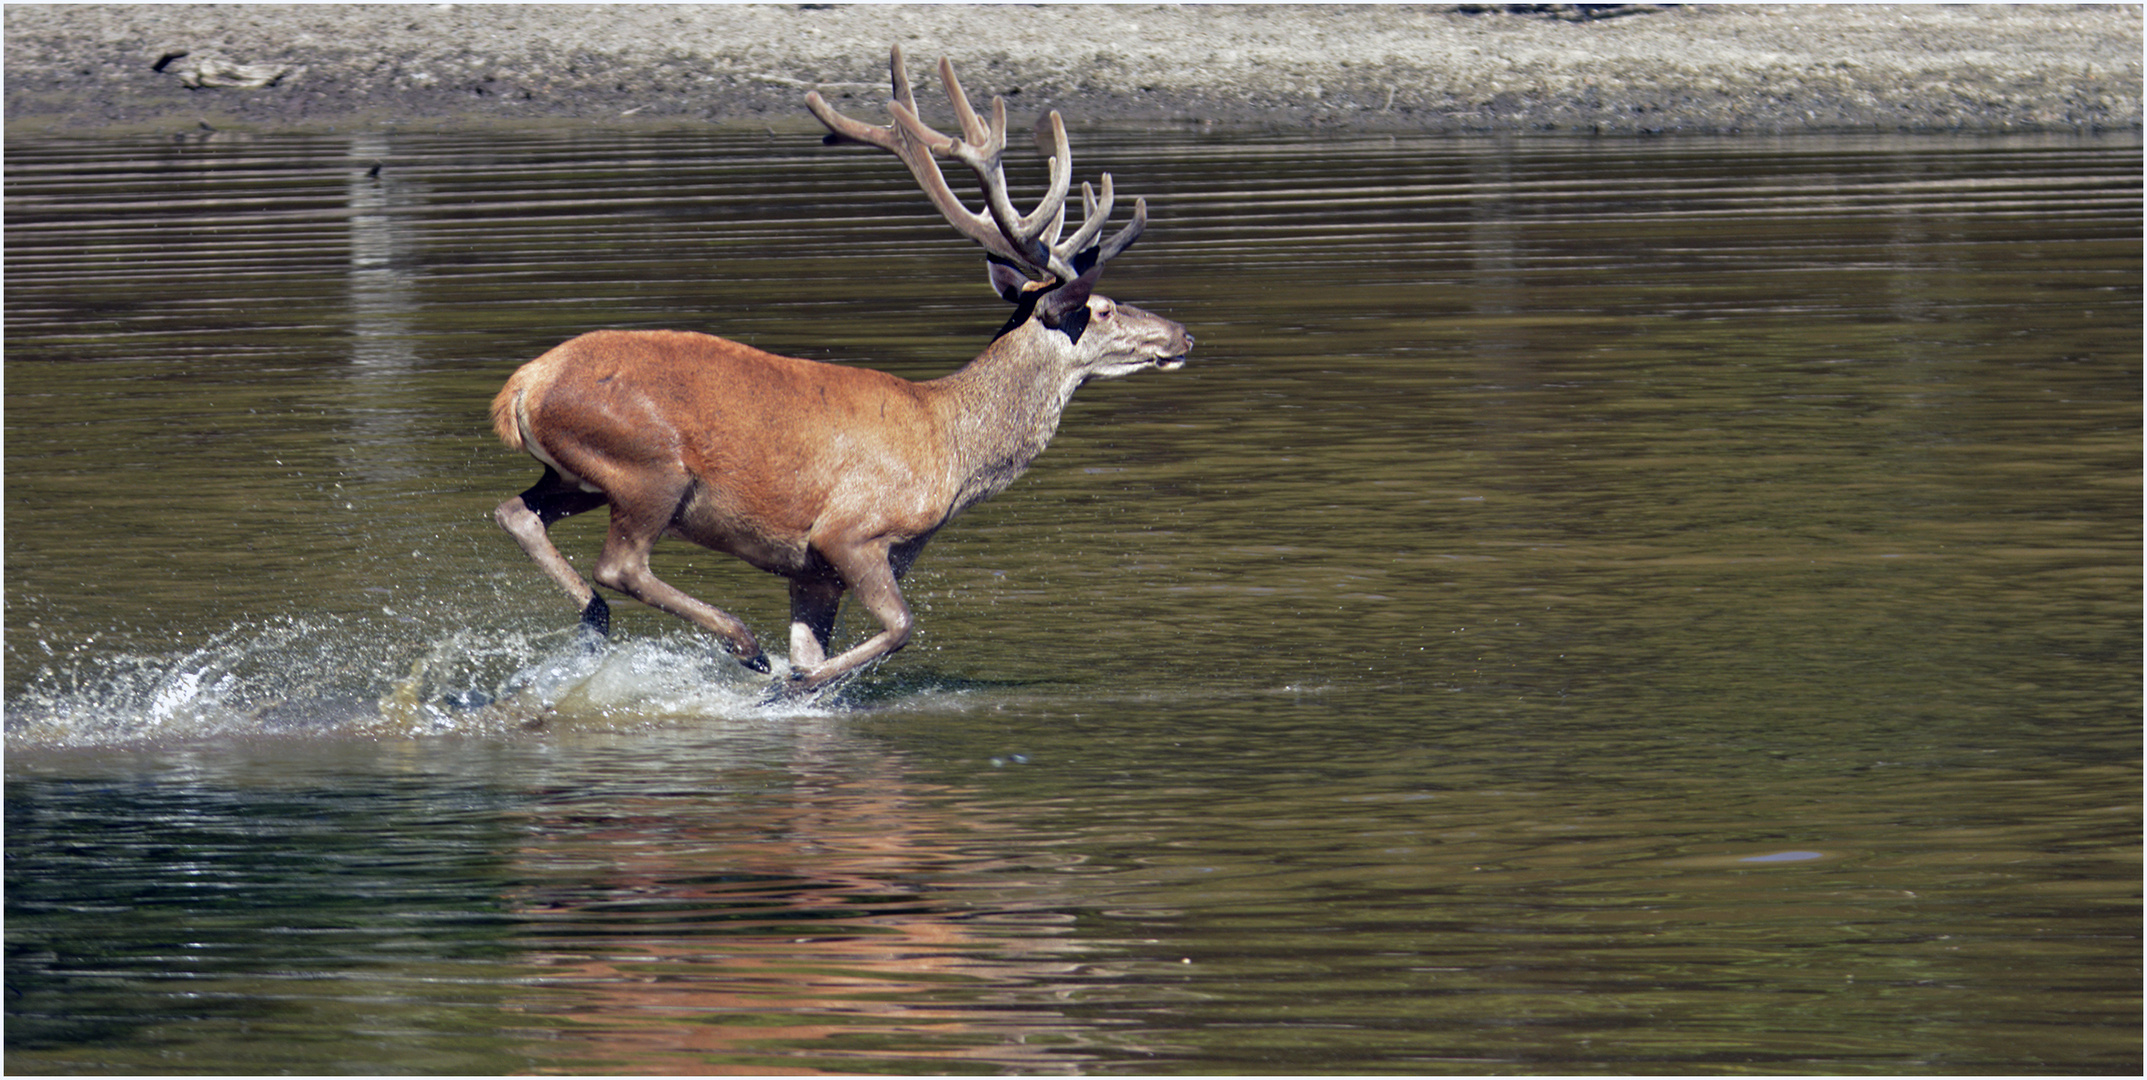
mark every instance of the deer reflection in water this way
{"type": "Point", "coordinates": [692, 933]}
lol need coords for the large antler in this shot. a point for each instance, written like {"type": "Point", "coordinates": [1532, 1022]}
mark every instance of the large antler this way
{"type": "Point", "coordinates": [1030, 241]}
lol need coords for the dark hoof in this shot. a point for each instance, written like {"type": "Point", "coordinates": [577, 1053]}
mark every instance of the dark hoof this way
{"type": "Point", "coordinates": [758, 663]}
{"type": "Point", "coordinates": [597, 616]}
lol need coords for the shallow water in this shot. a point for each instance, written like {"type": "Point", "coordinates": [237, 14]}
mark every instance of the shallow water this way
{"type": "Point", "coordinates": [1587, 606]}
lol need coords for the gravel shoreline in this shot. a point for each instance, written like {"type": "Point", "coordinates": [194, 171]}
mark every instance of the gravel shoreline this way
{"type": "Point", "coordinates": [1443, 68]}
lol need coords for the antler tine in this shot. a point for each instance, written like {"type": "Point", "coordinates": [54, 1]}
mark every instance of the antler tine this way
{"type": "Point", "coordinates": [915, 148]}
{"type": "Point", "coordinates": [886, 138]}
{"type": "Point", "coordinates": [1060, 154]}
{"type": "Point", "coordinates": [1053, 207]}
{"type": "Point", "coordinates": [973, 130]}
{"type": "Point", "coordinates": [1124, 238]}
{"type": "Point", "coordinates": [1094, 212]}
{"type": "Point", "coordinates": [898, 72]}
{"type": "Point", "coordinates": [983, 149]}
{"type": "Point", "coordinates": [856, 131]}
{"type": "Point", "coordinates": [1050, 238]}
{"type": "Point", "coordinates": [984, 158]}
{"type": "Point", "coordinates": [1031, 240]}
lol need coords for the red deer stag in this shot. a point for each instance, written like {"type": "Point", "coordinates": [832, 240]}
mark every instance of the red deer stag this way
{"type": "Point", "coordinates": [833, 477]}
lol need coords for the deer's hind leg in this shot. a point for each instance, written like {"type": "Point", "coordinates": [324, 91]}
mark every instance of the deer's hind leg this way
{"type": "Point", "coordinates": [636, 524]}
{"type": "Point", "coordinates": [528, 518]}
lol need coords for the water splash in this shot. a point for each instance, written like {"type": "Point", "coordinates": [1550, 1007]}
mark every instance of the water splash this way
{"type": "Point", "coordinates": [331, 676]}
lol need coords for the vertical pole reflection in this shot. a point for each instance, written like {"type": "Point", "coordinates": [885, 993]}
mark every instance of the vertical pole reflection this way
{"type": "Point", "coordinates": [379, 293]}
{"type": "Point", "coordinates": [382, 362]}
{"type": "Point", "coordinates": [1494, 249]}
{"type": "Point", "coordinates": [1911, 276]}
{"type": "Point", "coordinates": [1498, 344]}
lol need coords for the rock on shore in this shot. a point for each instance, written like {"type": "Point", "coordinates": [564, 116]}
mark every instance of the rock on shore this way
{"type": "Point", "coordinates": [1609, 68]}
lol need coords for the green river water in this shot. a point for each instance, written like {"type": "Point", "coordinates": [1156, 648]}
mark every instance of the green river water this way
{"type": "Point", "coordinates": [1593, 606]}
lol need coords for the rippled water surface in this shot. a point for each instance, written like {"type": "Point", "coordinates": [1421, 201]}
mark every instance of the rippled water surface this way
{"type": "Point", "coordinates": [1587, 606]}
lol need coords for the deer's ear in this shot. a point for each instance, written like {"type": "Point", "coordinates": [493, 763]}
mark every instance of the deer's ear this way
{"type": "Point", "coordinates": [1008, 281]}
{"type": "Point", "coordinates": [1065, 308]}
{"type": "Point", "coordinates": [1015, 288]}
{"type": "Point", "coordinates": [1072, 323]}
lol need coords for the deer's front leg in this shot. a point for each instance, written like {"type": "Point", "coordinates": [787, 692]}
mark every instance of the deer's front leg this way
{"type": "Point", "coordinates": [813, 604]}
{"type": "Point", "coordinates": [865, 570]}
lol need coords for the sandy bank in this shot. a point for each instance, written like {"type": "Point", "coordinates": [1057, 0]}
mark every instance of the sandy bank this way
{"type": "Point", "coordinates": [1420, 68]}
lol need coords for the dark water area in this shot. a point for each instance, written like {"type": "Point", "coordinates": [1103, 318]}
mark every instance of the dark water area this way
{"type": "Point", "coordinates": [1587, 606]}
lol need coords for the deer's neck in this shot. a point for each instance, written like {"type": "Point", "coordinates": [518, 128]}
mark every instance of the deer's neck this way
{"type": "Point", "coordinates": [999, 413]}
